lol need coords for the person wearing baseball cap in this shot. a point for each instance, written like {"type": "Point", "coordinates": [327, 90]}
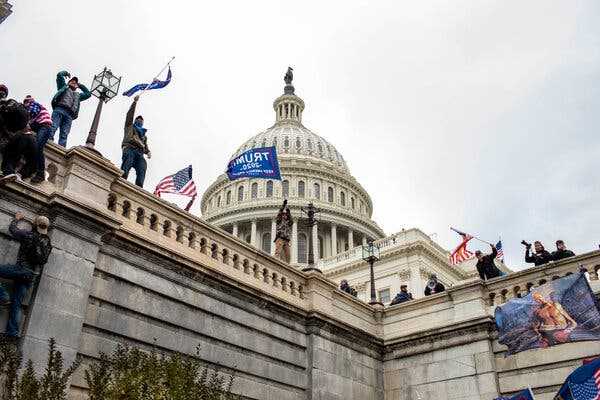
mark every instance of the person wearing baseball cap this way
{"type": "Point", "coordinates": [65, 104]}
{"type": "Point", "coordinates": [34, 250]}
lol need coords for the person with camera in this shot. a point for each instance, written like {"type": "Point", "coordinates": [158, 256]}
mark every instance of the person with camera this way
{"type": "Point", "coordinates": [485, 264]}
{"type": "Point", "coordinates": [33, 254]}
{"type": "Point", "coordinates": [561, 251]}
{"type": "Point", "coordinates": [541, 255]}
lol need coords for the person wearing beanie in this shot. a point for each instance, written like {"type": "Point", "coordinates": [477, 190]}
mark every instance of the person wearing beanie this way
{"type": "Point", "coordinates": [135, 145]}
{"type": "Point", "coordinates": [65, 104]}
{"type": "Point", "coordinates": [41, 123]}
{"type": "Point", "coordinates": [33, 254]}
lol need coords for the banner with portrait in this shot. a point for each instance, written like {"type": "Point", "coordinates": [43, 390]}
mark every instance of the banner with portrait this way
{"type": "Point", "coordinates": [560, 311]}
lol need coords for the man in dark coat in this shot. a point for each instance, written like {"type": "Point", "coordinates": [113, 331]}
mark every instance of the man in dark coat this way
{"type": "Point", "coordinates": [486, 266]}
{"type": "Point", "coordinates": [402, 296]}
{"type": "Point", "coordinates": [434, 286]}
{"type": "Point", "coordinates": [283, 233]}
{"type": "Point", "coordinates": [541, 255]}
{"type": "Point", "coordinates": [135, 145]}
{"type": "Point", "coordinates": [561, 251]}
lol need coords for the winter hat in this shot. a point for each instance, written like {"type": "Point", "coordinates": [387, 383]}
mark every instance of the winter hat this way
{"type": "Point", "coordinates": [42, 223]}
{"type": "Point", "coordinates": [74, 79]}
{"type": "Point", "coordinates": [28, 99]}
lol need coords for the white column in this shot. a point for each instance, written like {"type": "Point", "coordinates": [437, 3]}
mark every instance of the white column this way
{"type": "Point", "coordinates": [416, 285]}
{"type": "Point", "coordinates": [273, 233]}
{"type": "Point", "coordinates": [294, 255]}
{"type": "Point", "coordinates": [364, 240]}
{"type": "Point", "coordinates": [315, 242]}
{"type": "Point", "coordinates": [253, 233]}
{"type": "Point", "coordinates": [235, 230]}
{"type": "Point", "coordinates": [350, 239]}
{"type": "Point", "coordinates": [333, 240]}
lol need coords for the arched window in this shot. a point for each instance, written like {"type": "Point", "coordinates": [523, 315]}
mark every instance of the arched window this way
{"type": "Point", "coordinates": [285, 188]}
{"type": "Point", "coordinates": [269, 188]}
{"type": "Point", "coordinates": [343, 199]}
{"type": "Point", "coordinates": [286, 142]}
{"type": "Point", "coordinates": [219, 201]}
{"type": "Point", "coordinates": [254, 190]}
{"type": "Point", "coordinates": [352, 202]}
{"type": "Point", "coordinates": [241, 193]}
{"type": "Point", "coordinates": [330, 194]}
{"type": "Point", "coordinates": [317, 191]}
{"type": "Point", "coordinates": [298, 142]}
{"type": "Point", "coordinates": [228, 198]}
{"type": "Point", "coordinates": [309, 143]}
{"type": "Point", "coordinates": [266, 242]}
{"type": "Point", "coordinates": [302, 248]}
{"type": "Point", "coordinates": [301, 189]}
{"type": "Point", "coordinates": [362, 207]}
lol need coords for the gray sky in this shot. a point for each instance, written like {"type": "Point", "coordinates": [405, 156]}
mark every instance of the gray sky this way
{"type": "Point", "coordinates": [477, 114]}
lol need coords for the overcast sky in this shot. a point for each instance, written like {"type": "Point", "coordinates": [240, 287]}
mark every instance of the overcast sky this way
{"type": "Point", "coordinates": [478, 114]}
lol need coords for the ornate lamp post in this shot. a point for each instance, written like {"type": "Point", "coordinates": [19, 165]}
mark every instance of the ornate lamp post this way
{"type": "Point", "coordinates": [310, 212]}
{"type": "Point", "coordinates": [105, 86]}
{"type": "Point", "coordinates": [370, 253]}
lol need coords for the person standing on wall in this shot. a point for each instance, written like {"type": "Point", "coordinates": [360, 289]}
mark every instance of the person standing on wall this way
{"type": "Point", "coordinates": [65, 105]}
{"type": "Point", "coordinates": [135, 145]}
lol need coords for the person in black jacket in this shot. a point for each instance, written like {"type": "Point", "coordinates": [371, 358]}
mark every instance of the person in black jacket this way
{"type": "Point", "coordinates": [434, 286]}
{"type": "Point", "coordinates": [33, 254]}
{"type": "Point", "coordinates": [486, 266]}
{"type": "Point", "coordinates": [402, 296]}
{"type": "Point", "coordinates": [541, 255]}
{"type": "Point", "coordinates": [561, 251]}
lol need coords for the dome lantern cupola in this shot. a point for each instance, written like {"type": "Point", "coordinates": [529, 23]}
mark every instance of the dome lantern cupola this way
{"type": "Point", "coordinates": [288, 107]}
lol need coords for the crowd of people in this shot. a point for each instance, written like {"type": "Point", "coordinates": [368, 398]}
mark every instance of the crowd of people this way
{"type": "Point", "coordinates": [486, 267]}
{"type": "Point", "coordinates": [26, 127]}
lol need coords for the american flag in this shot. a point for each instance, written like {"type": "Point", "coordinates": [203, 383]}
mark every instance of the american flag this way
{"type": "Point", "coordinates": [461, 253]}
{"type": "Point", "coordinates": [500, 250]}
{"type": "Point", "coordinates": [588, 389]}
{"type": "Point", "coordinates": [179, 183]}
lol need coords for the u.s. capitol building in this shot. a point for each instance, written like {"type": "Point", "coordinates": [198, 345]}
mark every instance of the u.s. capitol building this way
{"type": "Point", "coordinates": [314, 171]}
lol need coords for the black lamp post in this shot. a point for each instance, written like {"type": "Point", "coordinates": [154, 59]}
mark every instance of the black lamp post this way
{"type": "Point", "coordinates": [310, 212]}
{"type": "Point", "coordinates": [105, 86]}
{"type": "Point", "coordinates": [370, 253]}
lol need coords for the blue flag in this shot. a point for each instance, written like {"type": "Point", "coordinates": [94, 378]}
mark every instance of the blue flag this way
{"type": "Point", "coordinates": [522, 395]}
{"type": "Point", "coordinates": [255, 163]}
{"type": "Point", "coordinates": [154, 85]}
{"type": "Point", "coordinates": [560, 311]}
{"type": "Point", "coordinates": [582, 384]}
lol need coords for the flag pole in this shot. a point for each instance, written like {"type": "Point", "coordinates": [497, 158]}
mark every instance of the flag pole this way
{"type": "Point", "coordinates": [157, 75]}
{"type": "Point", "coordinates": [475, 237]}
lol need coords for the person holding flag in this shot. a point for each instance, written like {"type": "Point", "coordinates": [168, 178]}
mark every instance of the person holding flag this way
{"type": "Point", "coordinates": [486, 266]}
{"type": "Point", "coordinates": [135, 145]}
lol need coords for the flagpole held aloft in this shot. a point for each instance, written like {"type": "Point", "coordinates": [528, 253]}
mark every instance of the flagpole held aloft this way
{"type": "Point", "coordinates": [157, 75]}
{"type": "Point", "coordinates": [474, 237]}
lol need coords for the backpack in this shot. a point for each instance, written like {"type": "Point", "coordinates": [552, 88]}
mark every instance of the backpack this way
{"type": "Point", "coordinates": [37, 249]}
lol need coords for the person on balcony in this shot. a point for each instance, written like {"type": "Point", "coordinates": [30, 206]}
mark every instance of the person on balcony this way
{"type": "Point", "coordinates": [65, 105]}
{"type": "Point", "coordinates": [16, 142]}
{"type": "Point", "coordinates": [403, 296]}
{"type": "Point", "coordinates": [541, 255]}
{"type": "Point", "coordinates": [486, 266]}
{"type": "Point", "coordinates": [561, 251]}
{"type": "Point", "coordinates": [434, 286]}
{"type": "Point", "coordinates": [135, 145]}
{"type": "Point", "coordinates": [33, 253]}
{"type": "Point", "coordinates": [345, 287]}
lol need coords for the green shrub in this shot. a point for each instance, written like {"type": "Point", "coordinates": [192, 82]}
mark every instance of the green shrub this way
{"type": "Point", "coordinates": [127, 374]}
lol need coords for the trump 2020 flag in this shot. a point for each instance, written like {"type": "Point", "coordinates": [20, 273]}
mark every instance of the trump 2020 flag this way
{"type": "Point", "coordinates": [560, 311]}
{"type": "Point", "coordinates": [156, 84]}
{"type": "Point", "coordinates": [526, 394]}
{"type": "Point", "coordinates": [255, 163]}
{"type": "Point", "coordinates": [582, 384]}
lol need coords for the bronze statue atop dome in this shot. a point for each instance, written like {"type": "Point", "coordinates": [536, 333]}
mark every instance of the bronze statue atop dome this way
{"type": "Point", "coordinates": [289, 76]}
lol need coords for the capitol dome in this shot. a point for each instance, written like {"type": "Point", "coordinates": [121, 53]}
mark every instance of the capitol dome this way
{"type": "Point", "coordinates": [312, 170]}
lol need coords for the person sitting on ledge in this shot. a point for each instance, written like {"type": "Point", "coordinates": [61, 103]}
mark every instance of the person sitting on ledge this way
{"type": "Point", "coordinates": [561, 251]}
{"type": "Point", "coordinates": [345, 287]}
{"type": "Point", "coordinates": [16, 141]}
{"type": "Point", "coordinates": [434, 286]}
{"type": "Point", "coordinates": [33, 253]}
{"type": "Point", "coordinates": [402, 296]}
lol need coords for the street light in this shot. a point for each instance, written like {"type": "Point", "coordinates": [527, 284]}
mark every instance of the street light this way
{"type": "Point", "coordinates": [105, 86]}
{"type": "Point", "coordinates": [370, 253]}
{"type": "Point", "coordinates": [310, 212]}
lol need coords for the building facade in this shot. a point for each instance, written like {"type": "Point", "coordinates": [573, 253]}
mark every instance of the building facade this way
{"type": "Point", "coordinates": [313, 170]}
